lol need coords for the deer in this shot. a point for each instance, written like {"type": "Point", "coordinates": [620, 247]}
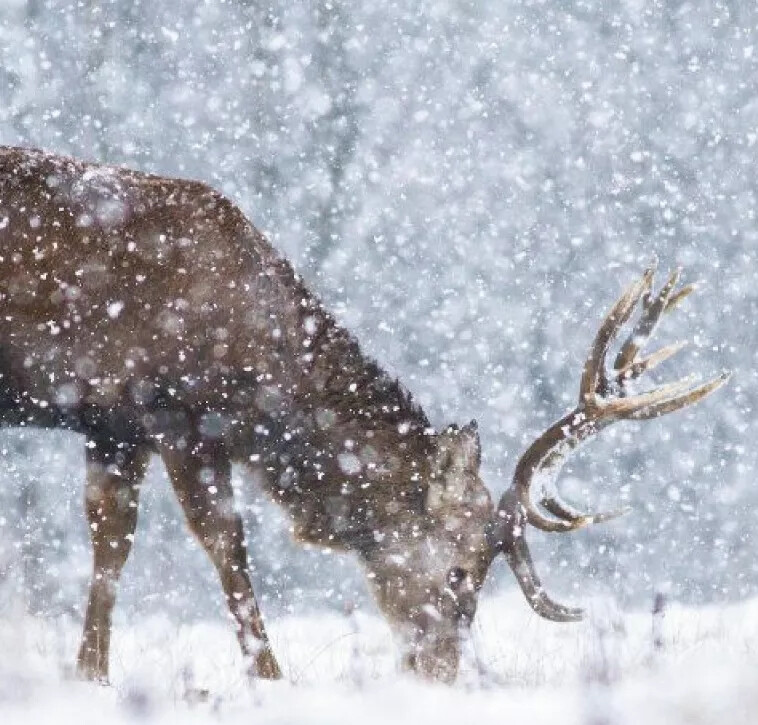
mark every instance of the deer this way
{"type": "Point", "coordinates": [148, 315]}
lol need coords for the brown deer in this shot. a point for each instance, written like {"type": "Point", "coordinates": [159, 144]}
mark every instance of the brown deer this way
{"type": "Point", "coordinates": [149, 315]}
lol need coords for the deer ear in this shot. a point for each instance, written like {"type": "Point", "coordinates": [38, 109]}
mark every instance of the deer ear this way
{"type": "Point", "coordinates": [459, 448]}
{"type": "Point", "coordinates": [458, 453]}
{"type": "Point", "coordinates": [467, 452]}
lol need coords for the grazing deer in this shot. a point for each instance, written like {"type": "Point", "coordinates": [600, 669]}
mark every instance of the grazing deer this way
{"type": "Point", "coordinates": [149, 315]}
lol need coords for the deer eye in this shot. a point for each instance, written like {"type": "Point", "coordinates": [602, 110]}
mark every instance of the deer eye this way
{"type": "Point", "coordinates": [456, 576]}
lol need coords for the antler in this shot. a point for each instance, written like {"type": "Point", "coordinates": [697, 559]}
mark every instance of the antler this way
{"type": "Point", "coordinates": [603, 399]}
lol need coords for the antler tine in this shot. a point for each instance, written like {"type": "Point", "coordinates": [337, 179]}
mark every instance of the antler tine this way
{"type": "Point", "coordinates": [654, 308]}
{"type": "Point", "coordinates": [594, 375]}
{"type": "Point", "coordinates": [551, 503]}
{"type": "Point", "coordinates": [561, 510]}
{"type": "Point", "coordinates": [521, 563]}
{"type": "Point", "coordinates": [637, 367]}
{"type": "Point", "coordinates": [540, 465]}
{"type": "Point", "coordinates": [666, 398]}
{"type": "Point", "coordinates": [675, 299]}
{"type": "Point", "coordinates": [655, 410]}
{"type": "Point", "coordinates": [506, 534]}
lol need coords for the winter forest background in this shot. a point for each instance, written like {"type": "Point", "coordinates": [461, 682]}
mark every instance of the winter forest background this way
{"type": "Point", "coordinates": [468, 184]}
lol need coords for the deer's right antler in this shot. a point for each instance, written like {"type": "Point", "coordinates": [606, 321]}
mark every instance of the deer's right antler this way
{"type": "Point", "coordinates": [603, 399]}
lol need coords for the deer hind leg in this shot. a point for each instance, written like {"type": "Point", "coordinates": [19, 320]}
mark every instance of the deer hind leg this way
{"type": "Point", "coordinates": [201, 476]}
{"type": "Point", "coordinates": [113, 478]}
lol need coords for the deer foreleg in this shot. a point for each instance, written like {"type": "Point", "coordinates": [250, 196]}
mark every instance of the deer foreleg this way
{"type": "Point", "coordinates": [200, 474]}
{"type": "Point", "coordinates": [113, 477]}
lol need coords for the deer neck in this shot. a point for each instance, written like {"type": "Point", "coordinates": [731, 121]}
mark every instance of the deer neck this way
{"type": "Point", "coordinates": [343, 484]}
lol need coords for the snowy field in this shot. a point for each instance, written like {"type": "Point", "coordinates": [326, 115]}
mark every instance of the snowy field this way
{"type": "Point", "coordinates": [341, 669]}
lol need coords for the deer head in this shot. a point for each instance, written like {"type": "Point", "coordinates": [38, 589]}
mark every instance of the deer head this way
{"type": "Point", "coordinates": [427, 570]}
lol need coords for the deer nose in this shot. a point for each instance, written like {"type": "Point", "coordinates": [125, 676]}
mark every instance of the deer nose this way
{"type": "Point", "coordinates": [460, 589]}
{"type": "Point", "coordinates": [465, 608]}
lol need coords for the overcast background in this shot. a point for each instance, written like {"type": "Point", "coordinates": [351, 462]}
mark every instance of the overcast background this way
{"type": "Point", "coordinates": [468, 184]}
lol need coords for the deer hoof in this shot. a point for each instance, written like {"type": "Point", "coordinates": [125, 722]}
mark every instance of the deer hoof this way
{"type": "Point", "coordinates": [266, 666]}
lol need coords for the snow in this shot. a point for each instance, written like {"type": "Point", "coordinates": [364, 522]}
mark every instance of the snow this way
{"type": "Point", "coordinates": [468, 185]}
{"type": "Point", "coordinates": [115, 308]}
{"type": "Point", "coordinates": [340, 668]}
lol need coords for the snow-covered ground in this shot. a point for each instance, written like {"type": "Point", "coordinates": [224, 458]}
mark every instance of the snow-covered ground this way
{"type": "Point", "coordinates": [341, 670]}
